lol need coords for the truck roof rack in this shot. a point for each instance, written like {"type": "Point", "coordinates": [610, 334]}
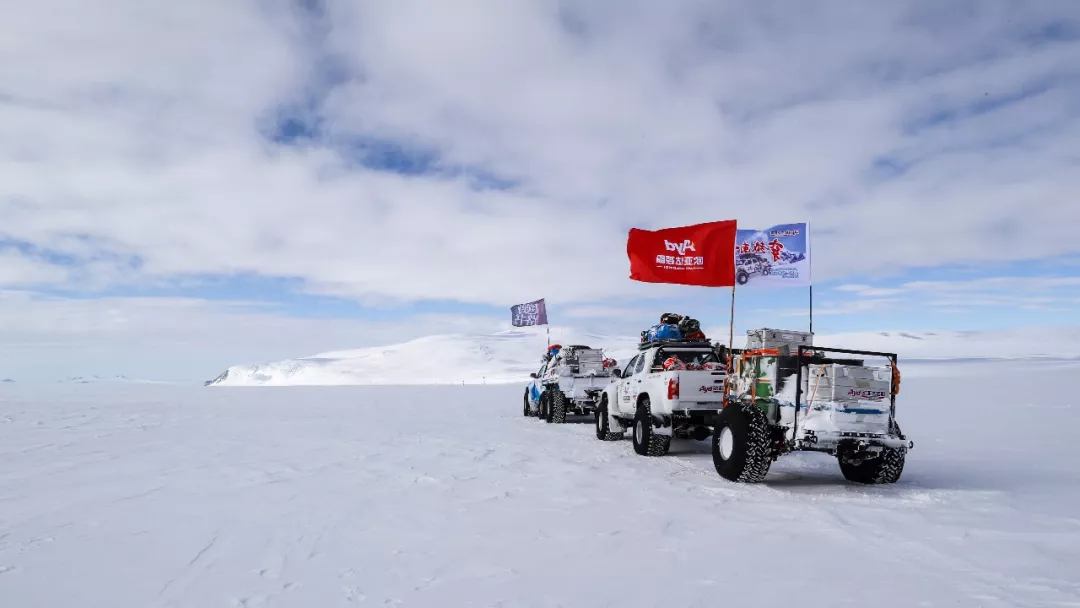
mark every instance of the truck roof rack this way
{"type": "Point", "coordinates": [806, 350]}
{"type": "Point", "coordinates": [677, 342]}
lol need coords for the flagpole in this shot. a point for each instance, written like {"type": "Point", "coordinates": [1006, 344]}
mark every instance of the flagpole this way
{"type": "Point", "coordinates": [731, 329]}
{"type": "Point", "coordinates": [731, 344]}
{"type": "Point", "coordinates": [810, 265]}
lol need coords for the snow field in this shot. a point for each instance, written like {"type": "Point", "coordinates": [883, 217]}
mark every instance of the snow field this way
{"type": "Point", "coordinates": [144, 495]}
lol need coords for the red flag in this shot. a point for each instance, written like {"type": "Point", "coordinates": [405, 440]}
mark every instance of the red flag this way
{"type": "Point", "coordinates": [701, 254]}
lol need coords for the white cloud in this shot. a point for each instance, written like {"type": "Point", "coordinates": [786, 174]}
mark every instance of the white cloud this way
{"type": "Point", "coordinates": [867, 291]}
{"type": "Point", "coordinates": [138, 126]}
{"type": "Point", "coordinates": [609, 312]}
{"type": "Point", "coordinates": [846, 308]}
{"type": "Point", "coordinates": [17, 270]}
{"type": "Point", "coordinates": [1050, 294]}
{"type": "Point", "coordinates": [1013, 284]}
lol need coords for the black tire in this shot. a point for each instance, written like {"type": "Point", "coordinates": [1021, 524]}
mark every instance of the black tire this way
{"type": "Point", "coordinates": [545, 406]}
{"type": "Point", "coordinates": [740, 444]}
{"type": "Point", "coordinates": [885, 468]}
{"type": "Point", "coordinates": [527, 413]}
{"type": "Point", "coordinates": [742, 277]}
{"type": "Point", "coordinates": [558, 407]}
{"type": "Point", "coordinates": [646, 442]}
{"type": "Point", "coordinates": [603, 425]}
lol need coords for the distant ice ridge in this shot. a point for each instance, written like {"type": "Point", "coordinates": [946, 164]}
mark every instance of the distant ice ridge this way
{"type": "Point", "coordinates": [92, 379]}
{"type": "Point", "coordinates": [100, 379]}
{"type": "Point", "coordinates": [510, 356]}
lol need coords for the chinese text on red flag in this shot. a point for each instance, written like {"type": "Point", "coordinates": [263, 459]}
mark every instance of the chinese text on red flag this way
{"type": "Point", "coordinates": [701, 254]}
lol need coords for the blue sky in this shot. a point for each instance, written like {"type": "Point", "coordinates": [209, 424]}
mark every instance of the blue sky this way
{"type": "Point", "coordinates": [275, 179]}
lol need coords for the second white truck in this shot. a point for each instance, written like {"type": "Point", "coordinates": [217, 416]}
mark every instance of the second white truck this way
{"type": "Point", "coordinates": [569, 383]}
{"type": "Point", "coordinates": [672, 388]}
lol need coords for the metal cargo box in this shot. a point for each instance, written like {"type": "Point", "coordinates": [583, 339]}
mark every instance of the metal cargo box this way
{"type": "Point", "coordinates": [778, 338]}
{"type": "Point", "coordinates": [836, 382]}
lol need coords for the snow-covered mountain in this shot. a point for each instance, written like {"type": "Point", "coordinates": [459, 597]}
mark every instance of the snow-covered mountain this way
{"type": "Point", "coordinates": [507, 356]}
{"type": "Point", "coordinates": [510, 356]}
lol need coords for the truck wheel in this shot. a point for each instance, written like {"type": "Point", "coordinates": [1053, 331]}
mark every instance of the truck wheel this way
{"type": "Point", "coordinates": [527, 412]}
{"type": "Point", "coordinates": [885, 468]}
{"type": "Point", "coordinates": [742, 277]}
{"type": "Point", "coordinates": [603, 423]}
{"type": "Point", "coordinates": [647, 443]}
{"type": "Point", "coordinates": [545, 406]}
{"type": "Point", "coordinates": [558, 407]}
{"type": "Point", "coordinates": [740, 444]}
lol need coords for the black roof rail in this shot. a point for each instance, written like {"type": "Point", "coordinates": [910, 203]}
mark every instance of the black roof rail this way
{"type": "Point", "coordinates": [804, 348]}
{"type": "Point", "coordinates": [676, 342]}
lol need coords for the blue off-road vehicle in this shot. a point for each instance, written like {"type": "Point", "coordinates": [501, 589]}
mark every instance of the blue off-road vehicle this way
{"type": "Point", "coordinates": [569, 382]}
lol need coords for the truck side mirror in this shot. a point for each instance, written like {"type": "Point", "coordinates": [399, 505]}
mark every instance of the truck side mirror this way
{"type": "Point", "coordinates": [532, 375]}
{"type": "Point", "coordinates": [616, 372]}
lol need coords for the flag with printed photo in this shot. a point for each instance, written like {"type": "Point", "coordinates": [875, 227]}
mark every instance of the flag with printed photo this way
{"type": "Point", "coordinates": [778, 256]}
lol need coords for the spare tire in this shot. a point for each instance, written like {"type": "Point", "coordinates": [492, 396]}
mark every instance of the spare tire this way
{"type": "Point", "coordinates": [741, 448]}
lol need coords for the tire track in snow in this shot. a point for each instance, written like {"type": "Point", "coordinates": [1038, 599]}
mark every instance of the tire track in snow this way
{"type": "Point", "coordinates": [185, 572]}
{"type": "Point", "coordinates": [456, 498]}
{"type": "Point", "coordinates": [985, 584]}
{"type": "Point", "coordinates": [203, 551]}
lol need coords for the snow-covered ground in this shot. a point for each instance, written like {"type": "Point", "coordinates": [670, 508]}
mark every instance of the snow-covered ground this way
{"type": "Point", "coordinates": [143, 495]}
{"type": "Point", "coordinates": [510, 356]}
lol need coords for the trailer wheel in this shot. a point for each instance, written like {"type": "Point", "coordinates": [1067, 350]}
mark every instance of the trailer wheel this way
{"type": "Point", "coordinates": [740, 444]}
{"type": "Point", "coordinates": [885, 468]}
{"type": "Point", "coordinates": [647, 443]}
{"type": "Point", "coordinates": [558, 407]}
{"type": "Point", "coordinates": [603, 423]}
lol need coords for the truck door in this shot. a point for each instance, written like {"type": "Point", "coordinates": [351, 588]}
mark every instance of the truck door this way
{"type": "Point", "coordinates": [637, 382]}
{"type": "Point", "coordinates": [624, 394]}
{"type": "Point", "coordinates": [535, 387]}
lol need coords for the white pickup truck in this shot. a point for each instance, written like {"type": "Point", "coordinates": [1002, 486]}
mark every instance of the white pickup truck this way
{"type": "Point", "coordinates": [570, 383]}
{"type": "Point", "coordinates": [660, 404]}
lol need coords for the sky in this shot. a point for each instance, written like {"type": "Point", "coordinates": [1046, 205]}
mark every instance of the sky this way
{"type": "Point", "coordinates": [190, 185]}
